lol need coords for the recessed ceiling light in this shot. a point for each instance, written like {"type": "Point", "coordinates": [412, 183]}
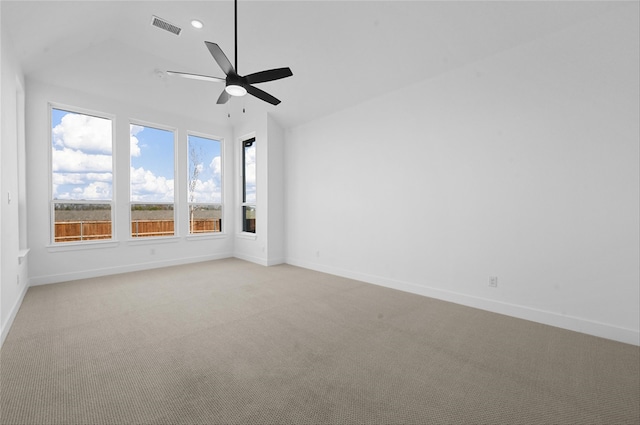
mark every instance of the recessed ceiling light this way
{"type": "Point", "coordinates": [197, 24]}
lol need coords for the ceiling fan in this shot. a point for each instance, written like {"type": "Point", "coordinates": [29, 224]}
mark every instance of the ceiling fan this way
{"type": "Point", "coordinates": [238, 85]}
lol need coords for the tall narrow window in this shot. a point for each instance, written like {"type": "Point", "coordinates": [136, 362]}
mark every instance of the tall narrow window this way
{"type": "Point", "coordinates": [205, 185]}
{"type": "Point", "coordinates": [81, 177]}
{"type": "Point", "coordinates": [249, 186]}
{"type": "Point", "coordinates": [152, 182]}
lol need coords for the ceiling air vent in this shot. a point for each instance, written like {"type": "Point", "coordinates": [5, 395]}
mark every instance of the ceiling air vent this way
{"type": "Point", "coordinates": [161, 23]}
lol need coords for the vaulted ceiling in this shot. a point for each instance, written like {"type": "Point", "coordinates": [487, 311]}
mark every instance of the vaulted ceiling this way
{"type": "Point", "coordinates": [341, 52]}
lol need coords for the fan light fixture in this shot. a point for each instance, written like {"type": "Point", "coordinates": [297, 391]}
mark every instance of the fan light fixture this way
{"type": "Point", "coordinates": [235, 84]}
{"type": "Point", "coordinates": [197, 24]}
{"type": "Point", "coordinates": [235, 90]}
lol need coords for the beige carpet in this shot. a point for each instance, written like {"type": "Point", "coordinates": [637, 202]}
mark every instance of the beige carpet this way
{"type": "Point", "coordinates": [230, 342]}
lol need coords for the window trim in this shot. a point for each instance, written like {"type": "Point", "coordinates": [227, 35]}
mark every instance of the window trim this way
{"type": "Point", "coordinates": [176, 189]}
{"type": "Point", "coordinates": [242, 194]}
{"type": "Point", "coordinates": [51, 105]}
{"type": "Point", "coordinates": [223, 223]}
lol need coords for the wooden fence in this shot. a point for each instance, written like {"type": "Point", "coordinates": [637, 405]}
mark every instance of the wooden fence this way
{"type": "Point", "coordinates": [205, 225]}
{"type": "Point", "coordinates": [146, 228]}
{"type": "Point", "coordinates": [70, 231]}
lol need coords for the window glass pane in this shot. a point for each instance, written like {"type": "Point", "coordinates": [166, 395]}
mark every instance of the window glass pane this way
{"type": "Point", "coordinates": [249, 219]}
{"type": "Point", "coordinates": [81, 156]}
{"type": "Point", "coordinates": [81, 222]}
{"type": "Point", "coordinates": [205, 218]}
{"type": "Point", "coordinates": [205, 170]}
{"type": "Point", "coordinates": [152, 164]}
{"type": "Point", "coordinates": [148, 220]}
{"type": "Point", "coordinates": [249, 174]}
{"type": "Point", "coordinates": [152, 181]}
{"type": "Point", "coordinates": [81, 170]}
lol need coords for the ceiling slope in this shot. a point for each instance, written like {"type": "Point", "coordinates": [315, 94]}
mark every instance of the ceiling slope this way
{"type": "Point", "coordinates": [341, 52]}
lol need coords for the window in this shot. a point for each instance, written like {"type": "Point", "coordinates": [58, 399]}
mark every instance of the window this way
{"type": "Point", "coordinates": [205, 185]}
{"type": "Point", "coordinates": [81, 176]}
{"type": "Point", "coordinates": [152, 182]}
{"type": "Point", "coordinates": [249, 186]}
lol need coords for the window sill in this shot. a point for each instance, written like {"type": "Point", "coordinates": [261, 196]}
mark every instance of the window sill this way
{"type": "Point", "coordinates": [152, 240]}
{"type": "Point", "coordinates": [71, 246]}
{"type": "Point", "coordinates": [247, 235]}
{"type": "Point", "coordinates": [22, 254]}
{"type": "Point", "coordinates": [202, 236]}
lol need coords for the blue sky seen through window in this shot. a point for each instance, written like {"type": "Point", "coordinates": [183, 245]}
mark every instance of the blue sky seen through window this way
{"type": "Point", "coordinates": [82, 163]}
{"type": "Point", "coordinates": [152, 164]}
{"type": "Point", "coordinates": [81, 157]}
{"type": "Point", "coordinates": [250, 173]}
{"type": "Point", "coordinates": [205, 170]}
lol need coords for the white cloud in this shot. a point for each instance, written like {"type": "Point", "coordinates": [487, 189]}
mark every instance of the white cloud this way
{"type": "Point", "coordinates": [97, 190]}
{"type": "Point", "coordinates": [216, 166]}
{"type": "Point", "coordinates": [103, 177]}
{"type": "Point", "coordinates": [135, 129]}
{"type": "Point", "coordinates": [133, 140]}
{"type": "Point", "coordinates": [69, 178]}
{"type": "Point", "coordinates": [83, 132]}
{"type": "Point", "coordinates": [207, 191]}
{"type": "Point", "coordinates": [71, 160]}
{"type": "Point", "coordinates": [93, 191]}
{"type": "Point", "coordinates": [80, 178]}
{"type": "Point", "coordinates": [146, 186]}
{"type": "Point", "coordinates": [134, 149]}
{"type": "Point", "coordinates": [81, 158]}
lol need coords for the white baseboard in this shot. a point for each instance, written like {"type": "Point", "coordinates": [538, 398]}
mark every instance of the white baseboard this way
{"type": "Point", "coordinates": [275, 261]}
{"type": "Point", "coordinates": [12, 314]}
{"type": "Point", "coordinates": [603, 330]}
{"type": "Point", "coordinates": [267, 262]}
{"type": "Point", "coordinates": [65, 277]}
{"type": "Point", "coordinates": [252, 259]}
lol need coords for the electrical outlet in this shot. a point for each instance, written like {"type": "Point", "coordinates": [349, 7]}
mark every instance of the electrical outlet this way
{"type": "Point", "coordinates": [493, 281]}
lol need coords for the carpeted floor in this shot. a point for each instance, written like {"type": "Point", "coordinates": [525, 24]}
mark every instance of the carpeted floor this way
{"type": "Point", "coordinates": [230, 342]}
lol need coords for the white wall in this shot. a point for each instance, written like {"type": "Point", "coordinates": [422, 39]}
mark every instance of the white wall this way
{"type": "Point", "coordinates": [1, 139]}
{"type": "Point", "coordinates": [54, 264]}
{"type": "Point", "coordinates": [523, 166]}
{"type": "Point", "coordinates": [275, 200]}
{"type": "Point", "coordinates": [13, 273]}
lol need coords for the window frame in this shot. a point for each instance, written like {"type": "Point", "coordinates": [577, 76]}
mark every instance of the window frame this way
{"type": "Point", "coordinates": [176, 192]}
{"type": "Point", "coordinates": [211, 234]}
{"type": "Point", "coordinates": [243, 187]}
{"type": "Point", "coordinates": [52, 202]}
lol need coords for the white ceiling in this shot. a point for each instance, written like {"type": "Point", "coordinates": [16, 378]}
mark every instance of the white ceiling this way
{"type": "Point", "coordinates": [341, 52]}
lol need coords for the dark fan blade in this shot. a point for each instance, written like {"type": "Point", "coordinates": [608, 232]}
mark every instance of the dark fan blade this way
{"type": "Point", "coordinates": [224, 97]}
{"type": "Point", "coordinates": [261, 94]}
{"type": "Point", "coordinates": [270, 75]}
{"type": "Point", "coordinates": [196, 76]}
{"type": "Point", "coordinates": [220, 57]}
